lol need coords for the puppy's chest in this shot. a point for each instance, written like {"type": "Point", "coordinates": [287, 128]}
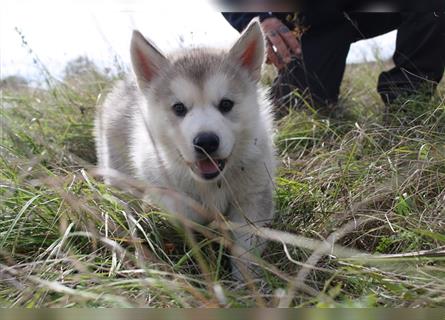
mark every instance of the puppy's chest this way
{"type": "Point", "coordinates": [215, 196]}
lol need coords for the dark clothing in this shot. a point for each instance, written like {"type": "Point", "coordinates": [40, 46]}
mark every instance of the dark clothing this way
{"type": "Point", "coordinates": [240, 20]}
{"type": "Point", "coordinates": [419, 57]}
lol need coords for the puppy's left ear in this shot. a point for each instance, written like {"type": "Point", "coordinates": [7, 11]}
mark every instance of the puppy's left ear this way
{"type": "Point", "coordinates": [249, 49]}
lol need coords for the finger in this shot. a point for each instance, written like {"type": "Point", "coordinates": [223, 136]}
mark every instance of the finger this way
{"type": "Point", "coordinates": [281, 47]}
{"type": "Point", "coordinates": [274, 58]}
{"type": "Point", "coordinates": [290, 39]}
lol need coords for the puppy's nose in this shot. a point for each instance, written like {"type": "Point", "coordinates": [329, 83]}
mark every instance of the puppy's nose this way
{"type": "Point", "coordinates": [206, 142]}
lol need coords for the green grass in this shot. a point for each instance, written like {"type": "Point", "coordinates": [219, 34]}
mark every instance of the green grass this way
{"type": "Point", "coordinates": [373, 185]}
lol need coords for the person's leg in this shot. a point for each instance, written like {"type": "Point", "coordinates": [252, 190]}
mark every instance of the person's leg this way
{"type": "Point", "coordinates": [371, 24]}
{"type": "Point", "coordinates": [317, 76]}
{"type": "Point", "coordinates": [419, 57]}
{"type": "Point", "coordinates": [325, 45]}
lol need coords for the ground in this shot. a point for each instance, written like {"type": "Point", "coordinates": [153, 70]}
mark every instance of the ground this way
{"type": "Point", "coordinates": [372, 184]}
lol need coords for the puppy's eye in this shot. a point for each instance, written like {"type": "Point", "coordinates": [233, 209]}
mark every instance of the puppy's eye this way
{"type": "Point", "coordinates": [225, 105]}
{"type": "Point", "coordinates": [179, 109]}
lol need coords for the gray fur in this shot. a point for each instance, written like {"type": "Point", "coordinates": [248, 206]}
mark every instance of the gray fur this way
{"type": "Point", "coordinates": [138, 134]}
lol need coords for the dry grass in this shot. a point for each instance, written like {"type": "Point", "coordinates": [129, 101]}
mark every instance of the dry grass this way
{"type": "Point", "coordinates": [360, 212]}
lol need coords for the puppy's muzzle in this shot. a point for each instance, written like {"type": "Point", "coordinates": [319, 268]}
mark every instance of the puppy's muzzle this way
{"type": "Point", "coordinates": [208, 166]}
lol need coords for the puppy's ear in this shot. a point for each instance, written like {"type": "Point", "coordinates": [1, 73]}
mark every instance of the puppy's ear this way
{"type": "Point", "coordinates": [146, 59]}
{"type": "Point", "coordinates": [249, 49]}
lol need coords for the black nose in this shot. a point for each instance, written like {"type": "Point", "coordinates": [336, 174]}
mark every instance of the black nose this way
{"type": "Point", "coordinates": [206, 142]}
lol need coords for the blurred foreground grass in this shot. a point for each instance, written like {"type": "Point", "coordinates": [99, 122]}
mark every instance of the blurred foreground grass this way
{"type": "Point", "coordinates": [367, 182]}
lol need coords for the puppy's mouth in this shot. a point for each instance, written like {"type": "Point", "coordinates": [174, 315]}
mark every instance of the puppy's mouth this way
{"type": "Point", "coordinates": [209, 168]}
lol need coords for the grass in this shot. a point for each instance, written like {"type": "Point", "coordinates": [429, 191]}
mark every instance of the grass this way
{"type": "Point", "coordinates": [373, 185]}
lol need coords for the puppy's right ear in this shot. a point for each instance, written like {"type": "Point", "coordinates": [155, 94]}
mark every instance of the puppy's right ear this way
{"type": "Point", "coordinates": [146, 59]}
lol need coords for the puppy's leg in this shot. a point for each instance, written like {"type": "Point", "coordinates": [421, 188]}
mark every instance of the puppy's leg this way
{"type": "Point", "coordinates": [183, 207]}
{"type": "Point", "coordinates": [255, 211]}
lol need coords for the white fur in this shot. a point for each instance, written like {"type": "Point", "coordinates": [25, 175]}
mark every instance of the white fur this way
{"type": "Point", "coordinates": [137, 132]}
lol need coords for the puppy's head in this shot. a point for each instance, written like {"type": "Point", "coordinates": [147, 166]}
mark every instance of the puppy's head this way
{"type": "Point", "coordinates": [201, 102]}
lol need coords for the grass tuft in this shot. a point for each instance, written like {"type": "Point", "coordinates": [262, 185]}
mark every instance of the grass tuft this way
{"type": "Point", "coordinates": [360, 210]}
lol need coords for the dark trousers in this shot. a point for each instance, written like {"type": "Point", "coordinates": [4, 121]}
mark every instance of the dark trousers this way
{"type": "Point", "coordinates": [419, 57]}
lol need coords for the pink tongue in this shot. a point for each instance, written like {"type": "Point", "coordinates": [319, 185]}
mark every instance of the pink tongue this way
{"type": "Point", "coordinates": [207, 166]}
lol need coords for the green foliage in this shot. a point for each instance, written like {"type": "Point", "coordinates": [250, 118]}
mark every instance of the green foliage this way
{"type": "Point", "coordinates": [67, 240]}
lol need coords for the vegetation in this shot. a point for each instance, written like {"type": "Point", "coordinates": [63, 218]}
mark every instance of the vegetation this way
{"type": "Point", "coordinates": [360, 207]}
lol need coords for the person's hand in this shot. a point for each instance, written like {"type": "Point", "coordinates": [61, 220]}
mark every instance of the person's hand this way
{"type": "Point", "coordinates": [282, 44]}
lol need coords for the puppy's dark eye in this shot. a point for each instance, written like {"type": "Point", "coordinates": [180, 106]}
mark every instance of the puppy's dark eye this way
{"type": "Point", "coordinates": [225, 105]}
{"type": "Point", "coordinates": [179, 109]}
